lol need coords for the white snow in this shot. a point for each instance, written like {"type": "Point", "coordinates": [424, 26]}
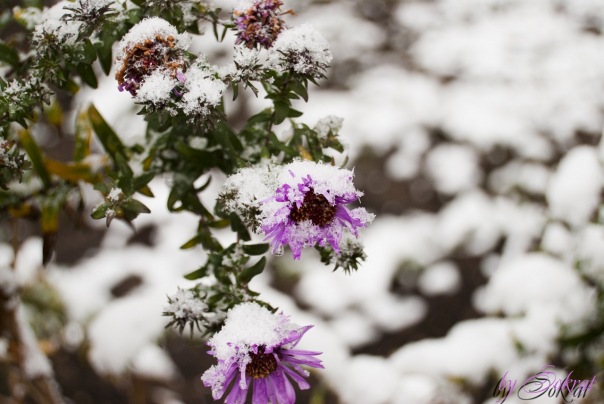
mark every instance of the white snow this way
{"type": "Point", "coordinates": [573, 192]}
{"type": "Point", "coordinates": [156, 88]}
{"type": "Point", "coordinates": [8, 282]}
{"type": "Point", "coordinates": [202, 91]}
{"type": "Point", "coordinates": [303, 49]}
{"type": "Point", "coordinates": [248, 325]}
{"type": "Point", "coordinates": [441, 278]}
{"type": "Point", "coordinates": [453, 168]}
{"type": "Point", "coordinates": [35, 363]}
{"type": "Point", "coordinates": [115, 194]}
{"type": "Point", "coordinates": [154, 363]}
{"type": "Point", "coordinates": [149, 28]}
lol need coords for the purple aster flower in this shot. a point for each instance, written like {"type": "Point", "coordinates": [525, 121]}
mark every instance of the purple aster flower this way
{"type": "Point", "coordinates": [309, 208]}
{"type": "Point", "coordinates": [259, 22]}
{"type": "Point", "coordinates": [256, 351]}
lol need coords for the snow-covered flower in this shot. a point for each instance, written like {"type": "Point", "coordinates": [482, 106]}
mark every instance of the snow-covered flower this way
{"type": "Point", "coordinates": [301, 204]}
{"type": "Point", "coordinates": [302, 49]}
{"type": "Point", "coordinates": [258, 22]}
{"type": "Point", "coordinates": [329, 124]}
{"type": "Point", "coordinates": [185, 307]}
{"type": "Point", "coordinates": [201, 91]}
{"type": "Point", "coordinates": [150, 45]}
{"type": "Point", "coordinates": [52, 28]}
{"type": "Point", "coordinates": [158, 87]}
{"type": "Point", "coordinates": [256, 351]}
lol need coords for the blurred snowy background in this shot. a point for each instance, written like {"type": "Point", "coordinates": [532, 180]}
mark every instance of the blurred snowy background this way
{"type": "Point", "coordinates": [474, 128]}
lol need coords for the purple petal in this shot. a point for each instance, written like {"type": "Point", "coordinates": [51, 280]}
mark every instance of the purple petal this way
{"type": "Point", "coordinates": [259, 395]}
{"type": "Point", "coordinates": [302, 383]}
{"type": "Point", "coordinates": [237, 395]}
{"type": "Point", "coordinates": [283, 388]}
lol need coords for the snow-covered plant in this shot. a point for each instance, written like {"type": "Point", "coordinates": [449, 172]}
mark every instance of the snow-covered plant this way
{"type": "Point", "coordinates": [286, 188]}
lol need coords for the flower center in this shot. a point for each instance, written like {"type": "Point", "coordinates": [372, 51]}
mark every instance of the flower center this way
{"type": "Point", "coordinates": [143, 58]}
{"type": "Point", "coordinates": [315, 208]}
{"type": "Point", "coordinates": [261, 364]}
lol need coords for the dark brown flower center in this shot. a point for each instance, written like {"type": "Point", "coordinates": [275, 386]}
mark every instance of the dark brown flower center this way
{"type": "Point", "coordinates": [143, 58]}
{"type": "Point", "coordinates": [315, 208]}
{"type": "Point", "coordinates": [261, 365]}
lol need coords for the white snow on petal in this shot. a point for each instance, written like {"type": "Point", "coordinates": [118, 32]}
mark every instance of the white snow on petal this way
{"type": "Point", "coordinates": [248, 325]}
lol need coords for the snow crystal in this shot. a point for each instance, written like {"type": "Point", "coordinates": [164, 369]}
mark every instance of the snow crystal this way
{"type": "Point", "coordinates": [51, 24]}
{"type": "Point", "coordinates": [453, 168]}
{"type": "Point", "coordinates": [29, 16]}
{"type": "Point", "coordinates": [442, 278]}
{"type": "Point", "coordinates": [248, 325]}
{"type": "Point", "coordinates": [115, 195]}
{"type": "Point", "coordinates": [330, 123]}
{"type": "Point", "coordinates": [157, 87]}
{"type": "Point", "coordinates": [201, 91]}
{"type": "Point", "coordinates": [328, 180]}
{"type": "Point", "coordinates": [573, 192]}
{"type": "Point", "coordinates": [185, 305]}
{"type": "Point", "coordinates": [245, 5]}
{"type": "Point", "coordinates": [245, 57]}
{"type": "Point", "coordinates": [149, 29]}
{"type": "Point", "coordinates": [302, 49]}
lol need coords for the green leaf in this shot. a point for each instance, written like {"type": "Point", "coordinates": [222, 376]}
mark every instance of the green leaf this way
{"type": "Point", "coordinates": [8, 55]}
{"type": "Point", "coordinates": [140, 183]}
{"type": "Point", "coordinates": [238, 227]}
{"type": "Point", "coordinates": [89, 52]}
{"type": "Point", "coordinates": [85, 71]}
{"type": "Point", "coordinates": [191, 243]}
{"type": "Point", "coordinates": [99, 211]}
{"type": "Point", "coordinates": [281, 112]}
{"type": "Point", "coordinates": [36, 157]}
{"type": "Point", "coordinates": [235, 87]}
{"type": "Point", "coordinates": [255, 249]}
{"type": "Point", "coordinates": [300, 89]}
{"type": "Point", "coordinates": [197, 274]}
{"type": "Point", "coordinates": [205, 238]}
{"type": "Point", "coordinates": [105, 56]}
{"type": "Point", "coordinates": [249, 273]}
{"type": "Point", "coordinates": [109, 139]}
{"type": "Point", "coordinates": [134, 206]}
